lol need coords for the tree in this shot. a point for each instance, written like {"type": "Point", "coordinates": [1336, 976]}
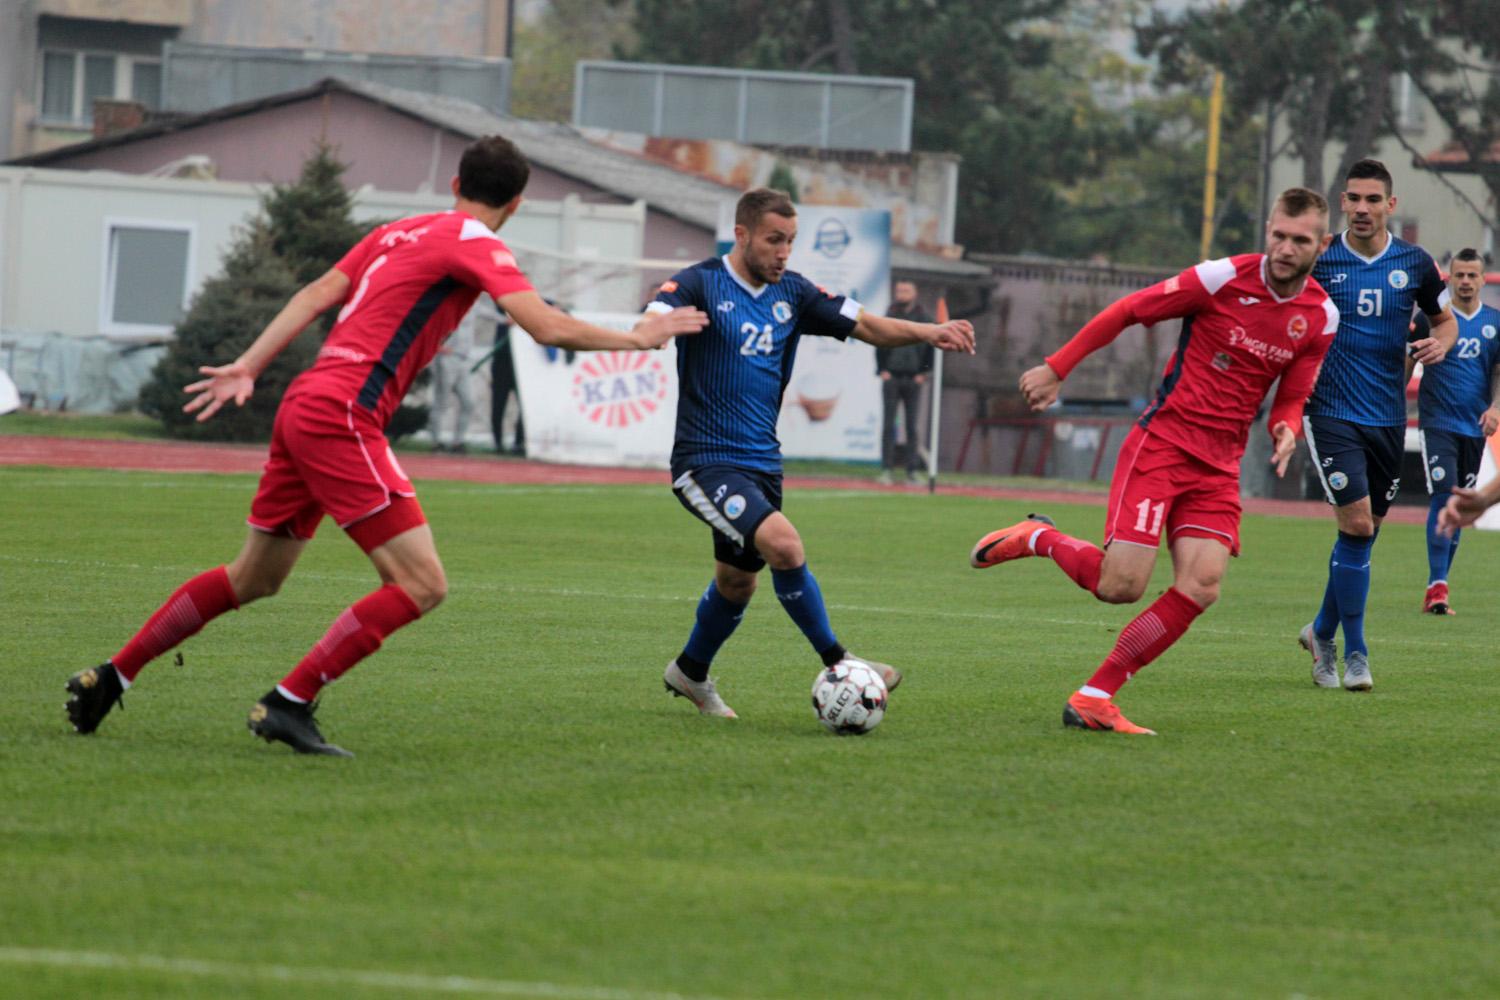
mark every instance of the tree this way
{"type": "Point", "coordinates": [1327, 65]}
{"type": "Point", "coordinates": [227, 314]}
{"type": "Point", "coordinates": [547, 48]}
{"type": "Point", "coordinates": [986, 87]}
{"type": "Point", "coordinates": [309, 221]}
{"type": "Point", "coordinates": [301, 230]}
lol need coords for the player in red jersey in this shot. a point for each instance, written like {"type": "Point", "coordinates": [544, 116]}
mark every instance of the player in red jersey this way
{"type": "Point", "coordinates": [1246, 321]}
{"type": "Point", "coordinates": [403, 289]}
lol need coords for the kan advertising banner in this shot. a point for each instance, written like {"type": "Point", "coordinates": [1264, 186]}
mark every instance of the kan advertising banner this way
{"type": "Point", "coordinates": [832, 404]}
{"type": "Point", "coordinates": [598, 407]}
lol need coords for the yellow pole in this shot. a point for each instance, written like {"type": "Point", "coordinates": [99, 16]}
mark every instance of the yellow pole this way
{"type": "Point", "coordinates": [1211, 171]}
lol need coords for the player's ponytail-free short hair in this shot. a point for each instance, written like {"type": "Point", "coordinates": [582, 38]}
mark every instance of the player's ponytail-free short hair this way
{"type": "Point", "coordinates": [492, 171]}
{"type": "Point", "coordinates": [756, 203]}
{"type": "Point", "coordinates": [1371, 170]}
{"type": "Point", "coordinates": [1469, 254]}
{"type": "Point", "coordinates": [1298, 201]}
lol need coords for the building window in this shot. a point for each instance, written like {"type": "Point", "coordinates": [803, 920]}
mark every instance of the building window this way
{"type": "Point", "coordinates": [148, 272]}
{"type": "Point", "coordinates": [72, 80]}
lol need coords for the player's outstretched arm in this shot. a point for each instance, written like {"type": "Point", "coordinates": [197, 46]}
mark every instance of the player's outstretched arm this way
{"type": "Point", "coordinates": [552, 327]}
{"type": "Point", "coordinates": [888, 331]}
{"type": "Point", "coordinates": [236, 380]}
{"type": "Point", "coordinates": [1465, 506]}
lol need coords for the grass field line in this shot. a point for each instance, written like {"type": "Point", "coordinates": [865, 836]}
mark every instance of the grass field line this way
{"type": "Point", "coordinates": [618, 595]}
{"type": "Point", "coordinates": [373, 978]}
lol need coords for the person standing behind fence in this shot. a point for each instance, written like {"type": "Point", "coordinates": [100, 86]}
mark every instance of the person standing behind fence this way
{"type": "Point", "coordinates": [503, 385]}
{"type": "Point", "coordinates": [450, 381]}
{"type": "Point", "coordinates": [902, 371]}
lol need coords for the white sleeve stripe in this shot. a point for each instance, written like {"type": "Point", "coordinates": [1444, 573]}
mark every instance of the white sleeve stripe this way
{"type": "Point", "coordinates": [1332, 312]}
{"type": "Point", "coordinates": [1446, 298]}
{"type": "Point", "coordinates": [656, 308]}
{"type": "Point", "coordinates": [850, 310]}
{"type": "Point", "coordinates": [1215, 274]}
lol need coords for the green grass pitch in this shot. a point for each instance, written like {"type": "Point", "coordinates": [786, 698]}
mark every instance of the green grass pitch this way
{"type": "Point", "coordinates": [530, 815]}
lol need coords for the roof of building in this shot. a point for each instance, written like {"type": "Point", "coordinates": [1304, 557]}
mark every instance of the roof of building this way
{"type": "Point", "coordinates": [555, 146]}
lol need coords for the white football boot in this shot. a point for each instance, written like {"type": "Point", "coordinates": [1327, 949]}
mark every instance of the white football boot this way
{"type": "Point", "coordinates": [700, 693]}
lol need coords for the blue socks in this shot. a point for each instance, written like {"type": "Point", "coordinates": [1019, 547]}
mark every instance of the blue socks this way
{"type": "Point", "coordinates": [799, 595]}
{"type": "Point", "coordinates": [718, 617]}
{"type": "Point", "coordinates": [1440, 550]}
{"type": "Point", "coordinates": [1348, 587]}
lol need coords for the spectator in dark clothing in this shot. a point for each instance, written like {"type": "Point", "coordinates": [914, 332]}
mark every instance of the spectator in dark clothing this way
{"type": "Point", "coordinates": [502, 385]}
{"type": "Point", "coordinates": [902, 371]}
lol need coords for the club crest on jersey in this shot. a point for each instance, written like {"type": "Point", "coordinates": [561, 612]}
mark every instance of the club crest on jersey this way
{"type": "Point", "coordinates": [618, 388]}
{"type": "Point", "coordinates": [1296, 326]}
{"type": "Point", "coordinates": [1338, 480]}
{"type": "Point", "coordinates": [782, 311]}
{"type": "Point", "coordinates": [1398, 279]}
{"type": "Point", "coordinates": [1488, 331]}
{"type": "Point", "coordinates": [1222, 361]}
{"type": "Point", "coordinates": [1438, 474]}
{"type": "Point", "coordinates": [734, 506]}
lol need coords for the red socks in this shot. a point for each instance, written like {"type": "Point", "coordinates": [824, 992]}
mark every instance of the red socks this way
{"type": "Point", "coordinates": [1145, 638]}
{"type": "Point", "coordinates": [354, 635]}
{"type": "Point", "coordinates": [1079, 559]}
{"type": "Point", "coordinates": [191, 606]}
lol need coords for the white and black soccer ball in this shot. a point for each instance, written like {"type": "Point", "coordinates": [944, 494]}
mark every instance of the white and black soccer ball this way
{"type": "Point", "coordinates": [849, 697]}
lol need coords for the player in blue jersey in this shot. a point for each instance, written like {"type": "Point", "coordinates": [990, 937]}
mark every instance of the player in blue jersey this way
{"type": "Point", "coordinates": [1356, 417]}
{"type": "Point", "coordinates": [726, 459]}
{"type": "Point", "coordinates": [1457, 407]}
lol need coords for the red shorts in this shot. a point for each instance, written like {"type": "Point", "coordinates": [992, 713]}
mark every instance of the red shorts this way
{"type": "Point", "coordinates": [329, 456]}
{"type": "Point", "coordinates": [1158, 485]}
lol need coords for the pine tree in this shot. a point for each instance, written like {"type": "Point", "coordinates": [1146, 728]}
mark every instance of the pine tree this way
{"type": "Point", "coordinates": [309, 221]}
{"type": "Point", "coordinates": [301, 231]}
{"type": "Point", "coordinates": [226, 315]}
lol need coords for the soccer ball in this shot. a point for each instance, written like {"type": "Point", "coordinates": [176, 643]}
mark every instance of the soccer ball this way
{"type": "Point", "coordinates": [849, 697]}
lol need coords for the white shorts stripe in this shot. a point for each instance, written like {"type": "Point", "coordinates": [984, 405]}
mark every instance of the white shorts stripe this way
{"type": "Point", "coordinates": [1426, 468]}
{"type": "Point", "coordinates": [1312, 451]}
{"type": "Point", "coordinates": [705, 508]}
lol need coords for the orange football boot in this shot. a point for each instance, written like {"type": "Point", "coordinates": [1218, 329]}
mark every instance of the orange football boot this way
{"type": "Point", "coordinates": [1007, 543]}
{"type": "Point", "coordinates": [1083, 712]}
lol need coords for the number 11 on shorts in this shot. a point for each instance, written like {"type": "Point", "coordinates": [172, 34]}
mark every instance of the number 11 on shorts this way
{"type": "Point", "coordinates": [1146, 511]}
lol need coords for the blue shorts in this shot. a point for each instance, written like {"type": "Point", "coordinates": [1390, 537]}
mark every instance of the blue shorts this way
{"type": "Point", "coordinates": [1355, 461]}
{"type": "Point", "coordinates": [733, 502]}
{"type": "Point", "coordinates": [1450, 460]}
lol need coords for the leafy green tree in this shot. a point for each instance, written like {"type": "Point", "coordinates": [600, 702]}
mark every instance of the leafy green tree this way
{"type": "Point", "coordinates": [547, 48]}
{"type": "Point", "coordinates": [227, 314]}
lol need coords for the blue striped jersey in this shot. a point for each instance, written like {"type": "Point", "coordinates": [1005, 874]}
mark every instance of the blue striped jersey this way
{"type": "Point", "coordinates": [1455, 392]}
{"type": "Point", "coordinates": [732, 375]}
{"type": "Point", "coordinates": [1364, 375]}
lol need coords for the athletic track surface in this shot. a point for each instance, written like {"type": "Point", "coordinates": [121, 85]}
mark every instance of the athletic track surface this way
{"type": "Point", "coordinates": [178, 456]}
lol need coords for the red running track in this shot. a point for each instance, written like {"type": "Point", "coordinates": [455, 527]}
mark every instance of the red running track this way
{"type": "Point", "coordinates": [181, 456]}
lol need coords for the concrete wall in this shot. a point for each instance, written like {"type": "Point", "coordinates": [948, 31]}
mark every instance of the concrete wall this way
{"type": "Point", "coordinates": [409, 27]}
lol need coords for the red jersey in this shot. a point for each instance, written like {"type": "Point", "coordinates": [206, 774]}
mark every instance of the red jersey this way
{"type": "Point", "coordinates": [411, 282]}
{"type": "Point", "coordinates": [1237, 338]}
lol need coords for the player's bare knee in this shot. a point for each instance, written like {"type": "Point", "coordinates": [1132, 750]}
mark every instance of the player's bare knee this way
{"type": "Point", "coordinates": [1119, 589]}
{"type": "Point", "coordinates": [737, 589]}
{"type": "Point", "coordinates": [1201, 592]}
